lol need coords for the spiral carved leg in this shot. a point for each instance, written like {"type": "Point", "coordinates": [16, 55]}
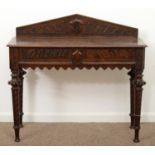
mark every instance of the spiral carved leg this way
{"type": "Point", "coordinates": [138, 98]}
{"type": "Point", "coordinates": [15, 83]}
{"type": "Point", "coordinates": [21, 74]}
{"type": "Point", "coordinates": [131, 73]}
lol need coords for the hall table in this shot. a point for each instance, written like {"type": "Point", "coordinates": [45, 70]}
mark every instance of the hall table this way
{"type": "Point", "coordinates": [77, 41]}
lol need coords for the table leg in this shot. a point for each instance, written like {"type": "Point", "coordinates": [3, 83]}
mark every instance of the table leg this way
{"type": "Point", "coordinates": [138, 98]}
{"type": "Point", "coordinates": [21, 74]}
{"type": "Point", "coordinates": [131, 73]}
{"type": "Point", "coordinates": [15, 83]}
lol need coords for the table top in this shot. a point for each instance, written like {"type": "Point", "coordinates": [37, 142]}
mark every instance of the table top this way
{"type": "Point", "coordinates": [75, 41]}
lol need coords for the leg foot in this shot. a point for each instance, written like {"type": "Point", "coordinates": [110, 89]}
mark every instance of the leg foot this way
{"type": "Point", "coordinates": [17, 138]}
{"type": "Point", "coordinates": [136, 139]}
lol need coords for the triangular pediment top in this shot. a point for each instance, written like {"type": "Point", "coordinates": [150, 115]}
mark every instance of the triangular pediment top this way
{"type": "Point", "coordinates": [77, 25]}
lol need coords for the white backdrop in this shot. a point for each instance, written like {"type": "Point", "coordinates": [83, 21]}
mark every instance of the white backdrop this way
{"type": "Point", "coordinates": [79, 95]}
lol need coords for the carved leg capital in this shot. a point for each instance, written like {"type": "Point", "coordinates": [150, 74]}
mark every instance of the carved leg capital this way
{"type": "Point", "coordinates": [14, 82]}
{"type": "Point", "coordinates": [139, 82]}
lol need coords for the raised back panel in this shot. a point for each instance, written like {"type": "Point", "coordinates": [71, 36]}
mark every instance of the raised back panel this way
{"type": "Point", "coordinates": [76, 25]}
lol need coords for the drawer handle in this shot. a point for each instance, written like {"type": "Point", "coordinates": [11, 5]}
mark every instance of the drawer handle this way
{"type": "Point", "coordinates": [77, 57]}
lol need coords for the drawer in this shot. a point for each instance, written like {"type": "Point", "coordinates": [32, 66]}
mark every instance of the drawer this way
{"type": "Point", "coordinates": [77, 55]}
{"type": "Point", "coordinates": [109, 54]}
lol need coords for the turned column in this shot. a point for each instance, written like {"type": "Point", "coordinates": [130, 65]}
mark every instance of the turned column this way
{"type": "Point", "coordinates": [15, 82]}
{"type": "Point", "coordinates": [131, 73]}
{"type": "Point", "coordinates": [21, 77]}
{"type": "Point", "coordinates": [138, 83]}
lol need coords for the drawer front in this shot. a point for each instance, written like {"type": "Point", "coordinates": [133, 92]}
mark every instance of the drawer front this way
{"type": "Point", "coordinates": [45, 54]}
{"type": "Point", "coordinates": [111, 54]}
{"type": "Point", "coordinates": [77, 55]}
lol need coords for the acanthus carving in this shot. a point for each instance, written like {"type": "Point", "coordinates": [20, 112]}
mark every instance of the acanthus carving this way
{"type": "Point", "coordinates": [139, 82]}
{"type": "Point", "coordinates": [15, 81]}
{"type": "Point", "coordinates": [136, 79]}
{"type": "Point", "coordinates": [17, 78]}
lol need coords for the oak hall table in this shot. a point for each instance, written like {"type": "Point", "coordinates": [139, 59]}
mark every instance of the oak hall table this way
{"type": "Point", "coordinates": [77, 41]}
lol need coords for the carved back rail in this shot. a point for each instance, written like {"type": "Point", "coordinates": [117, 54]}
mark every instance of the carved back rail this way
{"type": "Point", "coordinates": [77, 25]}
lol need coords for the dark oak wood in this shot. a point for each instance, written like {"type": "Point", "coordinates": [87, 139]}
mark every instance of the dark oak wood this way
{"type": "Point", "coordinates": [77, 41]}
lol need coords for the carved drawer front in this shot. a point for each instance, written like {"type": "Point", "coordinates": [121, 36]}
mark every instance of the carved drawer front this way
{"type": "Point", "coordinates": [109, 55]}
{"type": "Point", "coordinates": [46, 54]}
{"type": "Point", "coordinates": [76, 55]}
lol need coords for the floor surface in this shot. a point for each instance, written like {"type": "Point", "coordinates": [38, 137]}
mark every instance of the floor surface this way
{"type": "Point", "coordinates": [77, 134]}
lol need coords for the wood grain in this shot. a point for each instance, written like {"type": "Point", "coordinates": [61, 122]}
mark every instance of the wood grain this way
{"type": "Point", "coordinates": [77, 41]}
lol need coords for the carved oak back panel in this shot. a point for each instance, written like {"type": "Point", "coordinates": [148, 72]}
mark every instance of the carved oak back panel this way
{"type": "Point", "coordinates": [77, 25]}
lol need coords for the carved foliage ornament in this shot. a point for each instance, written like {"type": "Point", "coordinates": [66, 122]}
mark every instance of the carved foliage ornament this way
{"type": "Point", "coordinates": [17, 78]}
{"type": "Point", "coordinates": [15, 81]}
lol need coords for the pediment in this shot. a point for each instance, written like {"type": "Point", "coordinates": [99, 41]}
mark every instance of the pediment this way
{"type": "Point", "coordinates": [77, 25]}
